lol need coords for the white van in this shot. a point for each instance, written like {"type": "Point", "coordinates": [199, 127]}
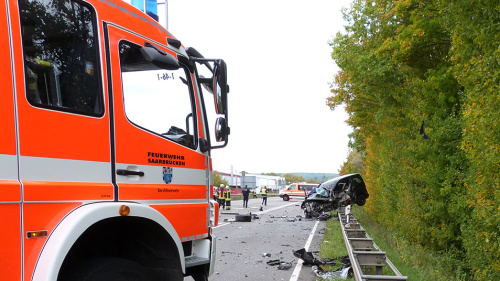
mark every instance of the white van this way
{"type": "Point", "coordinates": [299, 190]}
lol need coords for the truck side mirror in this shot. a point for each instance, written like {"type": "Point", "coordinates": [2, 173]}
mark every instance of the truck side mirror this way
{"type": "Point", "coordinates": [221, 129]}
{"type": "Point", "coordinates": [220, 87]}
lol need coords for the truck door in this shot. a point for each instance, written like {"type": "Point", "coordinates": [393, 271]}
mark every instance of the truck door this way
{"type": "Point", "coordinates": [63, 120]}
{"type": "Point", "coordinates": [156, 117]}
{"type": "Point", "coordinates": [10, 189]}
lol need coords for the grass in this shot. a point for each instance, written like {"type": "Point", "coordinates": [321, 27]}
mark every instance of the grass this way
{"type": "Point", "coordinates": [412, 261]}
{"type": "Point", "coordinates": [332, 245]}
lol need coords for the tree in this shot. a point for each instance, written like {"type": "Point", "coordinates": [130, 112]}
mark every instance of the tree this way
{"type": "Point", "coordinates": [291, 178]}
{"type": "Point", "coordinates": [272, 174]}
{"type": "Point", "coordinates": [218, 180]}
{"type": "Point", "coordinates": [353, 164]}
{"type": "Point", "coordinates": [405, 61]}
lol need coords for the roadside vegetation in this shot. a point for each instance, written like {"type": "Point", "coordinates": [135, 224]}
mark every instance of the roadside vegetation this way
{"type": "Point", "coordinates": [420, 81]}
{"type": "Point", "coordinates": [332, 245]}
{"type": "Point", "coordinates": [415, 262]}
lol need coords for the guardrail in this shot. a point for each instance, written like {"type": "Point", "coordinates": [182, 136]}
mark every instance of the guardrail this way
{"type": "Point", "coordinates": [363, 252]}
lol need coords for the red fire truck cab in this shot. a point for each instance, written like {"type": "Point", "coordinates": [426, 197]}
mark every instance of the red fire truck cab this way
{"type": "Point", "coordinates": [106, 136]}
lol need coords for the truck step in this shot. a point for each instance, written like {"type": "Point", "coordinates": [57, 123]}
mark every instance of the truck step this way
{"type": "Point", "coordinates": [194, 261]}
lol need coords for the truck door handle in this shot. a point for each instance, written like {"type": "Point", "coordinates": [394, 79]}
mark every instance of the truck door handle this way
{"type": "Point", "coordinates": [122, 172]}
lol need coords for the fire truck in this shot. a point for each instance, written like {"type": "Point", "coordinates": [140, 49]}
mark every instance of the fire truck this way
{"type": "Point", "coordinates": [105, 146]}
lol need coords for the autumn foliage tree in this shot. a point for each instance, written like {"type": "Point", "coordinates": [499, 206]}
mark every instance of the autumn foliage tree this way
{"type": "Point", "coordinates": [405, 61]}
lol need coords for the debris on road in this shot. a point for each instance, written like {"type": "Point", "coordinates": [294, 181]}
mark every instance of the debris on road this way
{"type": "Point", "coordinates": [243, 218]}
{"type": "Point", "coordinates": [282, 265]}
{"type": "Point", "coordinates": [307, 257]}
{"type": "Point", "coordinates": [324, 216]}
{"type": "Point", "coordinates": [273, 262]}
{"type": "Point", "coordinates": [285, 266]}
{"type": "Point", "coordinates": [343, 272]}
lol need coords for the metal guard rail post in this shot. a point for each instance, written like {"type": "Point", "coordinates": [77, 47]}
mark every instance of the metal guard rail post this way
{"type": "Point", "coordinates": [363, 251]}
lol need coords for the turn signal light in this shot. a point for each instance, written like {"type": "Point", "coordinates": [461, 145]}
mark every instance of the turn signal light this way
{"type": "Point", "coordinates": [36, 234]}
{"type": "Point", "coordinates": [124, 210]}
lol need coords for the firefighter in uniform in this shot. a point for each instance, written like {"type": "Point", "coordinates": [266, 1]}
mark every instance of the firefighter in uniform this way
{"type": "Point", "coordinates": [222, 197]}
{"type": "Point", "coordinates": [264, 195]}
{"type": "Point", "coordinates": [228, 198]}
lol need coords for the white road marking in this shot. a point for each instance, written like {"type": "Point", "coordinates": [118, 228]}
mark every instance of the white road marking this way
{"type": "Point", "coordinates": [298, 267]}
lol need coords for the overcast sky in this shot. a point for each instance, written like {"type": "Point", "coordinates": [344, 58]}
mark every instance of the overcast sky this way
{"type": "Point", "coordinates": [279, 70]}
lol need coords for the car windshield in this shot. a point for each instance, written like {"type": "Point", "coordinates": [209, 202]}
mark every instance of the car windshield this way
{"type": "Point", "coordinates": [322, 192]}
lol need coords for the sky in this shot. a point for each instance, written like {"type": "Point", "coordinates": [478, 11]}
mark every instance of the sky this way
{"type": "Point", "coordinates": [279, 69]}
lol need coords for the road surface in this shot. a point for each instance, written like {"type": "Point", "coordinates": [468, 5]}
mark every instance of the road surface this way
{"type": "Point", "coordinates": [244, 248]}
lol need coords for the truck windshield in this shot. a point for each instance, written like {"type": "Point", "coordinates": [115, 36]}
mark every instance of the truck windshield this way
{"type": "Point", "coordinates": [157, 100]}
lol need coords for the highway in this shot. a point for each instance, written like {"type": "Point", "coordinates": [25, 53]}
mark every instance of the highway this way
{"type": "Point", "coordinates": [244, 248]}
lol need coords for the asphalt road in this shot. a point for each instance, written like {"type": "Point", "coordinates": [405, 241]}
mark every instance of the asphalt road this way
{"type": "Point", "coordinates": [244, 248]}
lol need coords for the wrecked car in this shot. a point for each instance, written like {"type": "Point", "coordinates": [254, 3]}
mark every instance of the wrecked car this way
{"type": "Point", "coordinates": [332, 194]}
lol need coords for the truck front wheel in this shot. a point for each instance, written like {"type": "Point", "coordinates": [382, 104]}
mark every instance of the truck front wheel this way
{"type": "Point", "coordinates": [286, 198]}
{"type": "Point", "coordinates": [110, 269]}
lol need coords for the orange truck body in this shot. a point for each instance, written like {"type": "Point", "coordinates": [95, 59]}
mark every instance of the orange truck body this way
{"type": "Point", "coordinates": [80, 181]}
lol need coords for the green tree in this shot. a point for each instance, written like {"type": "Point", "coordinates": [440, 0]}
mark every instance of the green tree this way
{"type": "Point", "coordinates": [218, 180]}
{"type": "Point", "coordinates": [406, 61]}
{"type": "Point", "coordinates": [272, 174]}
{"type": "Point", "coordinates": [291, 178]}
{"type": "Point", "coordinates": [475, 55]}
{"type": "Point", "coordinates": [353, 164]}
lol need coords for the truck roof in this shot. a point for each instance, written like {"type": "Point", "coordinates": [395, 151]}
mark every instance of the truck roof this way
{"type": "Point", "coordinates": [126, 16]}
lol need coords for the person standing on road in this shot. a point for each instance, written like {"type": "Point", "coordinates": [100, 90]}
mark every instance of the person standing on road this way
{"type": "Point", "coordinates": [246, 193]}
{"type": "Point", "coordinates": [263, 191]}
{"type": "Point", "coordinates": [228, 197]}
{"type": "Point", "coordinates": [222, 197]}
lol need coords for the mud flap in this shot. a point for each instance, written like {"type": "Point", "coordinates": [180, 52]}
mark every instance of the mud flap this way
{"type": "Point", "coordinates": [213, 251]}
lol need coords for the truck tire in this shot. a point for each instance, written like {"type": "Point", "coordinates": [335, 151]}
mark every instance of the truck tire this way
{"type": "Point", "coordinates": [286, 198]}
{"type": "Point", "coordinates": [110, 269]}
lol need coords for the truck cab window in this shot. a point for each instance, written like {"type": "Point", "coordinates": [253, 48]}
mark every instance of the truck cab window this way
{"type": "Point", "coordinates": [60, 56]}
{"type": "Point", "coordinates": [155, 99]}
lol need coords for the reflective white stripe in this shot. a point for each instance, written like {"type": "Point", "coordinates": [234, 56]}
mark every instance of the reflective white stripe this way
{"type": "Point", "coordinates": [154, 175]}
{"type": "Point", "coordinates": [8, 167]}
{"type": "Point", "coordinates": [66, 170]}
{"type": "Point", "coordinates": [171, 201]}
